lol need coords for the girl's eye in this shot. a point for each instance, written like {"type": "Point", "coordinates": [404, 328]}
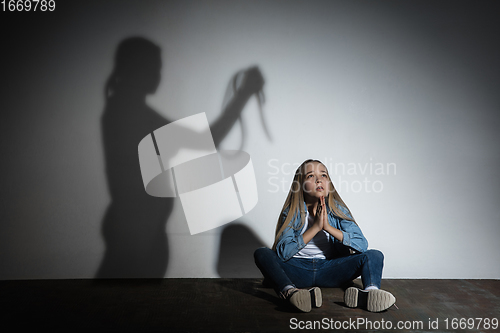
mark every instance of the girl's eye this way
{"type": "Point", "coordinates": [309, 176]}
{"type": "Point", "coordinates": [324, 175]}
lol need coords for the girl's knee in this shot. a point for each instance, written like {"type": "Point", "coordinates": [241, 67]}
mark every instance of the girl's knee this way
{"type": "Point", "coordinates": [375, 255]}
{"type": "Point", "coordinates": [261, 252]}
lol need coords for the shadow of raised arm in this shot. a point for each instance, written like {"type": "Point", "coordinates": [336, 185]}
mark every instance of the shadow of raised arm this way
{"type": "Point", "coordinates": [252, 83]}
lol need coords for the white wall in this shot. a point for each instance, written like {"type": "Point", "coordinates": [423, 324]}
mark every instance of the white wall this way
{"type": "Point", "coordinates": [409, 86]}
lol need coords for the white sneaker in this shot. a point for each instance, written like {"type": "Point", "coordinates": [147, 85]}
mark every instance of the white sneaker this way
{"type": "Point", "coordinates": [299, 298]}
{"type": "Point", "coordinates": [316, 297]}
{"type": "Point", "coordinates": [375, 300]}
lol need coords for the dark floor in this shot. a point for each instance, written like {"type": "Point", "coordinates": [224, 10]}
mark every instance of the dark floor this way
{"type": "Point", "coordinates": [233, 305]}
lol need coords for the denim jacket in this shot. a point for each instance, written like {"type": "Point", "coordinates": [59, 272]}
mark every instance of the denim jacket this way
{"type": "Point", "coordinates": [291, 241]}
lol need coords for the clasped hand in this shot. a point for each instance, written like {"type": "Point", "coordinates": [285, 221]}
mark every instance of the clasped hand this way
{"type": "Point", "coordinates": [321, 217]}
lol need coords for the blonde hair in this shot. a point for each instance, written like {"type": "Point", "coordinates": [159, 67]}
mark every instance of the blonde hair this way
{"type": "Point", "coordinates": [294, 202]}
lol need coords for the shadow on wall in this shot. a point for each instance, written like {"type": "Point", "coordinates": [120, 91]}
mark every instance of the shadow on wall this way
{"type": "Point", "coordinates": [237, 245]}
{"type": "Point", "coordinates": [133, 227]}
{"type": "Point", "coordinates": [134, 223]}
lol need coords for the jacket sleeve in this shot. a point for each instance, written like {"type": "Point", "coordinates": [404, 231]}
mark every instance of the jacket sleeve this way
{"type": "Point", "coordinates": [290, 241]}
{"type": "Point", "coordinates": [352, 235]}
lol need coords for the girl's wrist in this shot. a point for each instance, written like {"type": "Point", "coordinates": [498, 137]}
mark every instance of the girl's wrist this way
{"type": "Point", "coordinates": [336, 233]}
{"type": "Point", "coordinates": [316, 228]}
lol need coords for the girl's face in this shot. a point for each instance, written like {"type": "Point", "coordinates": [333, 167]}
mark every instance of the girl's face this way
{"type": "Point", "coordinates": [316, 181]}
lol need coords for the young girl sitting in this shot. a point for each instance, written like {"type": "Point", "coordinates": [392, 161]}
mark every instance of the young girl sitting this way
{"type": "Point", "coordinates": [318, 244]}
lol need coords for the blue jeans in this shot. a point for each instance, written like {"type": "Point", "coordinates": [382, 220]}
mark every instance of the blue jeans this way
{"type": "Point", "coordinates": [329, 273]}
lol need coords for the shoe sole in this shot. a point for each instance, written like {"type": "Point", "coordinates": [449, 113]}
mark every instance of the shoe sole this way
{"type": "Point", "coordinates": [301, 299]}
{"type": "Point", "coordinates": [316, 297]}
{"type": "Point", "coordinates": [351, 297]}
{"type": "Point", "coordinates": [374, 300]}
{"type": "Point", "coordinates": [379, 300]}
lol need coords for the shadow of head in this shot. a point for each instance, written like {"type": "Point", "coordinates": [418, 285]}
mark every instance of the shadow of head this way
{"type": "Point", "coordinates": [137, 67]}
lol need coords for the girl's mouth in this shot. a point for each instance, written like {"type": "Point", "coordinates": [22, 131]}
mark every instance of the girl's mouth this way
{"type": "Point", "coordinates": [319, 188]}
